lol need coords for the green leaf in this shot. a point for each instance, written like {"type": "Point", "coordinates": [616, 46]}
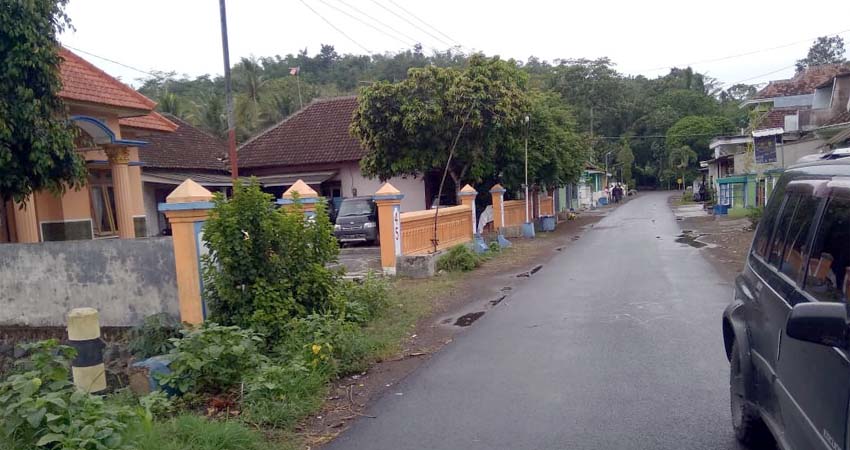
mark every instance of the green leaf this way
{"type": "Point", "coordinates": [49, 438]}
{"type": "Point", "coordinates": [35, 417]}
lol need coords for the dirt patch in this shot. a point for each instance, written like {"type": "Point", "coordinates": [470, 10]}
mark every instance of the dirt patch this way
{"type": "Point", "coordinates": [465, 300]}
{"type": "Point", "coordinates": [726, 241]}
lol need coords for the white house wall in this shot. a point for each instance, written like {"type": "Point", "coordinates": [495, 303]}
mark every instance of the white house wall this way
{"type": "Point", "coordinates": [412, 188]}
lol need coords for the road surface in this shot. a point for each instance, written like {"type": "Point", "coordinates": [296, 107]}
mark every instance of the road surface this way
{"type": "Point", "coordinates": [615, 344]}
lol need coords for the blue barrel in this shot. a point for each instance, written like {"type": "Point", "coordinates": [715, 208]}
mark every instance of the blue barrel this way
{"type": "Point", "coordinates": [721, 210]}
{"type": "Point", "coordinates": [547, 223]}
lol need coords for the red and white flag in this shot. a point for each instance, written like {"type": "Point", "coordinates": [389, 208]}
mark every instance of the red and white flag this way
{"type": "Point", "coordinates": [294, 70]}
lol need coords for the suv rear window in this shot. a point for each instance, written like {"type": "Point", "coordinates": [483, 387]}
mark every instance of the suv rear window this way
{"type": "Point", "coordinates": [765, 229]}
{"type": "Point", "coordinates": [827, 277]}
{"type": "Point", "coordinates": [796, 242]}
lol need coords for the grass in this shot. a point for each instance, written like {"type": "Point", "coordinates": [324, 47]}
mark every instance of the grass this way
{"type": "Point", "coordinates": [738, 213]}
{"type": "Point", "coordinates": [191, 432]}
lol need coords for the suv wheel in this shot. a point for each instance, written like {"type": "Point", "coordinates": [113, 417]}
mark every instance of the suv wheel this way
{"type": "Point", "coordinates": [749, 428]}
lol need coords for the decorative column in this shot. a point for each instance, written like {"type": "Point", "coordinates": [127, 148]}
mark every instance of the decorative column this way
{"type": "Point", "coordinates": [497, 195]}
{"type": "Point", "coordinates": [187, 208]}
{"type": "Point", "coordinates": [467, 197]}
{"type": "Point", "coordinates": [302, 194]}
{"type": "Point", "coordinates": [26, 221]}
{"type": "Point", "coordinates": [388, 199]}
{"type": "Point", "coordinates": [119, 158]}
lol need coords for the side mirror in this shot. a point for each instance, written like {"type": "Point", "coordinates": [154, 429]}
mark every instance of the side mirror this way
{"type": "Point", "coordinates": [823, 323]}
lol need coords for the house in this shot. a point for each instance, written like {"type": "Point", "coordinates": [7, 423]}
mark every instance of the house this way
{"type": "Point", "coordinates": [791, 119]}
{"type": "Point", "coordinates": [114, 120]}
{"type": "Point", "coordinates": [169, 159]}
{"type": "Point", "coordinates": [591, 186]}
{"type": "Point", "coordinates": [315, 145]}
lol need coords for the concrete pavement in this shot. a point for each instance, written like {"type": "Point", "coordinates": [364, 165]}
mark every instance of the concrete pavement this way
{"type": "Point", "coordinates": [615, 344]}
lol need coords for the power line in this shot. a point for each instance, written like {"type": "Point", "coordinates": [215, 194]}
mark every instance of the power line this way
{"type": "Point", "coordinates": [759, 76]}
{"type": "Point", "coordinates": [739, 55]}
{"type": "Point", "coordinates": [425, 23]}
{"type": "Point", "coordinates": [366, 23]}
{"type": "Point", "coordinates": [412, 23]}
{"type": "Point", "coordinates": [354, 8]}
{"type": "Point", "coordinates": [656, 136]}
{"type": "Point", "coordinates": [110, 60]}
{"type": "Point", "coordinates": [335, 27]}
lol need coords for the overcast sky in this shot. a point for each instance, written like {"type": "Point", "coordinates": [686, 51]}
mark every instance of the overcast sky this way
{"type": "Point", "coordinates": [641, 37]}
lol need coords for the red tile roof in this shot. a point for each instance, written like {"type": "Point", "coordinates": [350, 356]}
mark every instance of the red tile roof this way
{"type": "Point", "coordinates": [186, 148]}
{"type": "Point", "coordinates": [152, 121]}
{"type": "Point", "coordinates": [316, 134]}
{"type": "Point", "coordinates": [802, 83]}
{"type": "Point", "coordinates": [775, 118]}
{"type": "Point", "coordinates": [843, 117]}
{"type": "Point", "coordinates": [82, 81]}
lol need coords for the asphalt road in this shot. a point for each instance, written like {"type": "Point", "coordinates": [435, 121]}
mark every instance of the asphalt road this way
{"type": "Point", "coordinates": [615, 344]}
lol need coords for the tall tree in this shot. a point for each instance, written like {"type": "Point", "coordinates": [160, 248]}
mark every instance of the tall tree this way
{"type": "Point", "coordinates": [696, 132]}
{"type": "Point", "coordinates": [680, 158]}
{"type": "Point", "coordinates": [410, 127]}
{"type": "Point", "coordinates": [627, 159]}
{"type": "Point", "coordinates": [36, 140]}
{"type": "Point", "coordinates": [825, 50]}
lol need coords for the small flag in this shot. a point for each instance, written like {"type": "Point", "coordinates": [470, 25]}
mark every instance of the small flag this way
{"type": "Point", "coordinates": [294, 70]}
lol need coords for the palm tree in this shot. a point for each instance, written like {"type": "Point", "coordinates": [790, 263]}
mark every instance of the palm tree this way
{"type": "Point", "coordinates": [680, 158]}
{"type": "Point", "coordinates": [170, 104]}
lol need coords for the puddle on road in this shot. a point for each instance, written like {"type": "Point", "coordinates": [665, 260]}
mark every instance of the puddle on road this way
{"type": "Point", "coordinates": [467, 319]}
{"type": "Point", "coordinates": [688, 238]}
{"type": "Point", "coordinates": [497, 301]}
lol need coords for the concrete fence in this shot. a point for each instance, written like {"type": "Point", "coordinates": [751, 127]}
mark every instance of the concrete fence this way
{"type": "Point", "coordinates": [454, 226]}
{"type": "Point", "coordinates": [514, 213]}
{"type": "Point", "coordinates": [547, 206]}
{"type": "Point", "coordinates": [125, 279]}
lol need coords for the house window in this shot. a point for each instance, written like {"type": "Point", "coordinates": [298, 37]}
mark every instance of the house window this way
{"type": "Point", "coordinates": [102, 204]}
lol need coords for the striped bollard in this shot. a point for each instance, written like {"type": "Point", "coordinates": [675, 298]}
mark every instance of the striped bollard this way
{"type": "Point", "coordinates": [84, 335]}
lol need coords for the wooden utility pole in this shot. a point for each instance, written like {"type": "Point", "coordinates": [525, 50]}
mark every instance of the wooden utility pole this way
{"type": "Point", "coordinates": [228, 96]}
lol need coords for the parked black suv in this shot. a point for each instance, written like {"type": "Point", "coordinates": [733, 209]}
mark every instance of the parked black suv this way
{"type": "Point", "coordinates": [357, 220]}
{"type": "Point", "coordinates": [786, 332]}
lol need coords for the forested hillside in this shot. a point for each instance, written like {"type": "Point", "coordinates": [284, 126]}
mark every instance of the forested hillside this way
{"type": "Point", "coordinates": [646, 120]}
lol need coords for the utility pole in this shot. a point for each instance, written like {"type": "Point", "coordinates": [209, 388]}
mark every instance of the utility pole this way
{"type": "Point", "coordinates": [228, 96]}
{"type": "Point", "coordinates": [527, 126]}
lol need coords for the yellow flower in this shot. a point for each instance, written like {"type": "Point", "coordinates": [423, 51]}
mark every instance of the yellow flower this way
{"type": "Point", "coordinates": [316, 349]}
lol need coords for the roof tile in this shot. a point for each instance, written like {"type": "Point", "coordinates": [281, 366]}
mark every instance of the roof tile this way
{"type": "Point", "coordinates": [84, 82]}
{"type": "Point", "coordinates": [804, 82]}
{"type": "Point", "coordinates": [186, 148]}
{"type": "Point", "coordinates": [152, 121]}
{"type": "Point", "coordinates": [316, 134]}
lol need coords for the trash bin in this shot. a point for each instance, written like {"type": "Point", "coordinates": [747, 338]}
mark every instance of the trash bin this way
{"type": "Point", "coordinates": [603, 201]}
{"type": "Point", "coordinates": [721, 210]}
{"type": "Point", "coordinates": [547, 223]}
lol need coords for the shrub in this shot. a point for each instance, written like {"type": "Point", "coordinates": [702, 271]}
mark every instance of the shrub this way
{"type": "Point", "coordinates": [325, 343]}
{"type": "Point", "coordinates": [189, 432]}
{"type": "Point", "coordinates": [153, 336]}
{"type": "Point", "coordinates": [40, 407]}
{"type": "Point", "coordinates": [361, 301]}
{"type": "Point", "coordinates": [213, 358]}
{"type": "Point", "coordinates": [280, 395]}
{"type": "Point", "coordinates": [266, 265]}
{"type": "Point", "coordinates": [458, 259]}
{"type": "Point", "coordinates": [754, 213]}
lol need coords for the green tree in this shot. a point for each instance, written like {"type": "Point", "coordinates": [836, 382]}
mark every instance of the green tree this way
{"type": "Point", "coordinates": [410, 127]}
{"type": "Point", "coordinates": [680, 158]}
{"type": "Point", "coordinates": [825, 50]}
{"type": "Point", "coordinates": [627, 159]}
{"type": "Point", "coordinates": [696, 132]}
{"type": "Point", "coordinates": [266, 265]}
{"type": "Point", "coordinates": [36, 140]}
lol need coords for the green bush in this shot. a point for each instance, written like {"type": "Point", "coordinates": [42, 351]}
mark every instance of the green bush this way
{"type": "Point", "coordinates": [189, 432]}
{"type": "Point", "coordinates": [360, 301]}
{"type": "Point", "coordinates": [754, 213]}
{"type": "Point", "coordinates": [40, 407]}
{"type": "Point", "coordinates": [280, 395]}
{"type": "Point", "coordinates": [458, 259]}
{"type": "Point", "coordinates": [213, 358]}
{"type": "Point", "coordinates": [153, 336]}
{"type": "Point", "coordinates": [325, 343]}
{"type": "Point", "coordinates": [266, 265]}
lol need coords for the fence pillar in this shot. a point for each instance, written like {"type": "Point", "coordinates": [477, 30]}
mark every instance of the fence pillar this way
{"type": "Point", "coordinates": [187, 208]}
{"type": "Point", "coordinates": [302, 194]}
{"type": "Point", "coordinates": [467, 197]}
{"type": "Point", "coordinates": [87, 368]}
{"type": "Point", "coordinates": [388, 199]}
{"type": "Point", "coordinates": [497, 195]}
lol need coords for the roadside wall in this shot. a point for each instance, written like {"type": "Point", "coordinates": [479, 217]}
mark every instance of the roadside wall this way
{"type": "Point", "coordinates": [126, 280]}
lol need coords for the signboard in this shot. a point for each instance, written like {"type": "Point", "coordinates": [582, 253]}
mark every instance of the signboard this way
{"type": "Point", "coordinates": [765, 149]}
{"type": "Point", "coordinates": [397, 229]}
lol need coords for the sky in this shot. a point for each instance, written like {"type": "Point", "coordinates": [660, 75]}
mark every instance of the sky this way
{"type": "Point", "coordinates": [641, 37]}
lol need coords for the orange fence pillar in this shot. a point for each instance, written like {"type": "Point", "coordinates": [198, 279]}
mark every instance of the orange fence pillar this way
{"type": "Point", "coordinates": [467, 197]}
{"type": "Point", "coordinates": [187, 208]}
{"type": "Point", "coordinates": [388, 199]}
{"type": "Point", "coordinates": [497, 194]}
{"type": "Point", "coordinates": [302, 194]}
